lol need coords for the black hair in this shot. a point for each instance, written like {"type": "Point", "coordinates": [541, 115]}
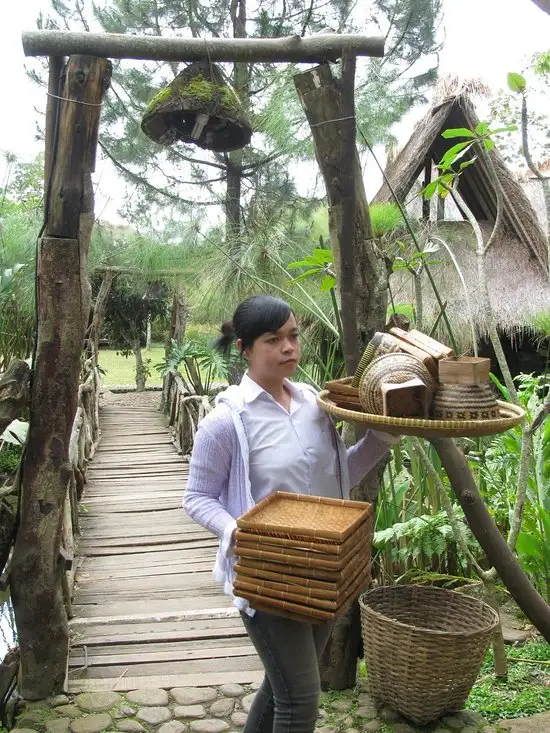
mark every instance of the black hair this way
{"type": "Point", "coordinates": [255, 316]}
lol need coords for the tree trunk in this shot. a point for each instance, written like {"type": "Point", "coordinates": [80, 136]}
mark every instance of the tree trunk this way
{"type": "Point", "coordinates": [148, 334]}
{"type": "Point", "coordinates": [63, 309]}
{"type": "Point", "coordinates": [233, 200]}
{"type": "Point", "coordinates": [234, 165]}
{"type": "Point", "coordinates": [100, 307]}
{"type": "Point", "coordinates": [180, 315]}
{"type": "Point", "coordinates": [487, 534]}
{"type": "Point", "coordinates": [321, 97]}
{"type": "Point", "coordinates": [141, 376]}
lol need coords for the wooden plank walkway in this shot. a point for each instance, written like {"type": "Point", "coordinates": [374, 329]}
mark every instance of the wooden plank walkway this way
{"type": "Point", "coordinates": [147, 612]}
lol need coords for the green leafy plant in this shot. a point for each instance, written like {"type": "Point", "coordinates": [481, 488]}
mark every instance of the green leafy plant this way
{"type": "Point", "coordinates": [10, 456]}
{"type": "Point", "coordinates": [452, 164]}
{"type": "Point", "coordinates": [426, 536]}
{"type": "Point", "coordinates": [200, 364]}
{"type": "Point", "coordinates": [526, 691]}
{"type": "Point", "coordinates": [384, 218]}
{"type": "Point", "coordinates": [415, 261]}
{"type": "Point", "coordinates": [497, 464]}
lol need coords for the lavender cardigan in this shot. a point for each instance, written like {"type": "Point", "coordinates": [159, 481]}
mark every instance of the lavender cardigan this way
{"type": "Point", "coordinates": [218, 488]}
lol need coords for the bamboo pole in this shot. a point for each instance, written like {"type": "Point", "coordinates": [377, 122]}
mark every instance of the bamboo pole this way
{"type": "Point", "coordinates": [312, 49]}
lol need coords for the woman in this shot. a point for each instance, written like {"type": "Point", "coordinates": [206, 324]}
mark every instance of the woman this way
{"type": "Point", "coordinates": [269, 434]}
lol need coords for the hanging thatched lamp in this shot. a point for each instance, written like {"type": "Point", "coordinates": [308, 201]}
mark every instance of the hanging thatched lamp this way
{"type": "Point", "coordinates": [199, 107]}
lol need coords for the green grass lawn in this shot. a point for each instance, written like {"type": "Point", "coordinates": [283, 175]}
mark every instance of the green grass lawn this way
{"type": "Point", "coordinates": [119, 370]}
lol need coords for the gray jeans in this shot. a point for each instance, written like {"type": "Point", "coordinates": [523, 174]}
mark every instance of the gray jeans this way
{"type": "Point", "coordinates": [288, 699]}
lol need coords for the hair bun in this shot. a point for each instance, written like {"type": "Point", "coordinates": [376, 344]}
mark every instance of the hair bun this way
{"type": "Point", "coordinates": [227, 337]}
{"type": "Point", "coordinates": [228, 330]}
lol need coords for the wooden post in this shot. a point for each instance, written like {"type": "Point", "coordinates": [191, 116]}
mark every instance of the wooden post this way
{"type": "Point", "coordinates": [63, 308]}
{"type": "Point", "coordinates": [346, 234]}
{"type": "Point", "coordinates": [55, 80]}
{"type": "Point", "coordinates": [322, 97]}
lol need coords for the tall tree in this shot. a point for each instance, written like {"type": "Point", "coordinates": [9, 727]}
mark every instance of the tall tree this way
{"type": "Point", "coordinates": [197, 180]}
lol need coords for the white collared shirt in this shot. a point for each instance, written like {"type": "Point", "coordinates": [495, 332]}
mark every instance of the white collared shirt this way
{"type": "Point", "coordinates": [289, 451]}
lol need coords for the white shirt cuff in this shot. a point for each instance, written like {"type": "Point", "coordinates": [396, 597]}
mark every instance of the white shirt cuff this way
{"type": "Point", "coordinates": [226, 544]}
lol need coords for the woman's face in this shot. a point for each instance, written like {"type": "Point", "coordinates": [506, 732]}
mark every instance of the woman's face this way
{"type": "Point", "coordinates": [275, 354]}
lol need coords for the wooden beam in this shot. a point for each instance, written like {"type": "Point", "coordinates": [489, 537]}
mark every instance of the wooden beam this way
{"type": "Point", "coordinates": [312, 49]}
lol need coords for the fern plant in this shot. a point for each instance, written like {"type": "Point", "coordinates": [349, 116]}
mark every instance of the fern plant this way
{"type": "Point", "coordinates": [425, 537]}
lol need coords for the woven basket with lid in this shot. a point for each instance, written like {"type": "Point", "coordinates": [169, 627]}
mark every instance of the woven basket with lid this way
{"type": "Point", "coordinates": [464, 402]}
{"type": "Point", "coordinates": [395, 368]}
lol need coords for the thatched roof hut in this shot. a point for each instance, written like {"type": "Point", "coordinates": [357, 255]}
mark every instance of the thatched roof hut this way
{"type": "Point", "coordinates": [517, 263]}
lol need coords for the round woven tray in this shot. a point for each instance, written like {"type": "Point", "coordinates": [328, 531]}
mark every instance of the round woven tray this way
{"type": "Point", "coordinates": [510, 415]}
{"type": "Point", "coordinates": [424, 647]}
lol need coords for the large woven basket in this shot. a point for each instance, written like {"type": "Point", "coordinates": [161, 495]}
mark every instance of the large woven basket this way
{"type": "Point", "coordinates": [424, 647]}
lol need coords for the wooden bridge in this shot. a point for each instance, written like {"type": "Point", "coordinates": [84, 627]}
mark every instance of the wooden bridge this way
{"type": "Point", "coordinates": [146, 610]}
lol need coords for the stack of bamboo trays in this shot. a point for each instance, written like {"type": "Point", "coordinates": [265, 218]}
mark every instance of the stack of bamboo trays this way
{"type": "Point", "coordinates": [304, 557]}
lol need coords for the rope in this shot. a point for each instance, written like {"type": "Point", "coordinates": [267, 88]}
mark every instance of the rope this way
{"type": "Point", "coordinates": [338, 119]}
{"type": "Point", "coordinates": [76, 101]}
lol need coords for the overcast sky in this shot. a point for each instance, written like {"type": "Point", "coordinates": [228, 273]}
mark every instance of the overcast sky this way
{"type": "Point", "coordinates": [483, 38]}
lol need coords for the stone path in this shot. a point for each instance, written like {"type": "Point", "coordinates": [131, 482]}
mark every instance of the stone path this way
{"type": "Point", "coordinates": [216, 710]}
{"type": "Point", "coordinates": [535, 724]}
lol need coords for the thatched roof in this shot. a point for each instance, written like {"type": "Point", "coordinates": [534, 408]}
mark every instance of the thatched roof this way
{"type": "Point", "coordinates": [518, 290]}
{"type": "Point", "coordinates": [427, 144]}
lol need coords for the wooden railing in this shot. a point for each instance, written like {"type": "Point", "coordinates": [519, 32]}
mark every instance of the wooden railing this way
{"type": "Point", "coordinates": [184, 410]}
{"type": "Point", "coordinates": [85, 436]}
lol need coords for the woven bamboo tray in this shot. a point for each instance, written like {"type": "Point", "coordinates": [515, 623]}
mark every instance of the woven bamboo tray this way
{"type": "Point", "coordinates": [424, 647]}
{"type": "Point", "coordinates": [306, 613]}
{"type": "Point", "coordinates": [270, 592]}
{"type": "Point", "coordinates": [510, 415]}
{"type": "Point", "coordinates": [293, 616]}
{"type": "Point", "coordinates": [301, 516]}
{"type": "Point", "coordinates": [289, 554]}
{"type": "Point", "coordinates": [290, 557]}
{"type": "Point", "coordinates": [286, 586]}
{"type": "Point", "coordinates": [296, 546]}
{"type": "Point", "coordinates": [302, 573]}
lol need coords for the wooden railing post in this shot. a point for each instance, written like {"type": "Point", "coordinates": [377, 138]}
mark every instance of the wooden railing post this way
{"type": "Point", "coordinates": [37, 575]}
{"type": "Point", "coordinates": [184, 411]}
